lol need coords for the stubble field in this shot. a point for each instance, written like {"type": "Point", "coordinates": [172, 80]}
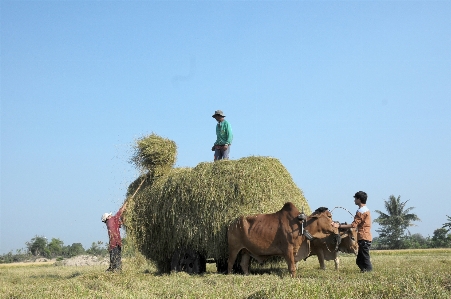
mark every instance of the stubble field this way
{"type": "Point", "coordinates": [397, 274]}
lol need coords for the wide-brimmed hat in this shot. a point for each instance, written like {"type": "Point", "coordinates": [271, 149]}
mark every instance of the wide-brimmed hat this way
{"type": "Point", "coordinates": [105, 216]}
{"type": "Point", "coordinates": [219, 112]}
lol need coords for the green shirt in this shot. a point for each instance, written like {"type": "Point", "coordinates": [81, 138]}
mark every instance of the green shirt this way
{"type": "Point", "coordinates": [223, 133]}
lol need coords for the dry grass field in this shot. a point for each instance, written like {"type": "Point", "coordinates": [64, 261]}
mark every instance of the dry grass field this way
{"type": "Point", "coordinates": [397, 274]}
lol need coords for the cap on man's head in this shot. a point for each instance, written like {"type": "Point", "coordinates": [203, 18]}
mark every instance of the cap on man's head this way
{"type": "Point", "coordinates": [219, 112]}
{"type": "Point", "coordinates": [105, 216]}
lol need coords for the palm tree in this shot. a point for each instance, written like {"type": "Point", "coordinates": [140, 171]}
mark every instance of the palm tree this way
{"type": "Point", "coordinates": [395, 222]}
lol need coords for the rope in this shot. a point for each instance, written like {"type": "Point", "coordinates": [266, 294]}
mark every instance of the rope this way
{"type": "Point", "coordinates": [343, 209]}
{"type": "Point", "coordinates": [325, 243]}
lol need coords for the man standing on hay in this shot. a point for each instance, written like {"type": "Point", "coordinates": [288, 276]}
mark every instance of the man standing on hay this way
{"type": "Point", "coordinates": [113, 224]}
{"type": "Point", "coordinates": [362, 220]}
{"type": "Point", "coordinates": [224, 137]}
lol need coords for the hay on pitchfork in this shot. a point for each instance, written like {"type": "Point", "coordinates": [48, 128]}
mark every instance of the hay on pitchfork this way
{"type": "Point", "coordinates": [154, 154]}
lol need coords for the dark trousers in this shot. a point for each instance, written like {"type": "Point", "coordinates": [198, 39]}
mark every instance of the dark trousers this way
{"type": "Point", "coordinates": [363, 257]}
{"type": "Point", "coordinates": [115, 258]}
{"type": "Point", "coordinates": [222, 153]}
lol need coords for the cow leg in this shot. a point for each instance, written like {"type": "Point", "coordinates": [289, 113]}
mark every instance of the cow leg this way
{"type": "Point", "coordinates": [233, 253]}
{"type": "Point", "coordinates": [336, 261]}
{"type": "Point", "coordinates": [245, 260]}
{"type": "Point", "coordinates": [322, 264]}
{"type": "Point", "coordinates": [291, 265]}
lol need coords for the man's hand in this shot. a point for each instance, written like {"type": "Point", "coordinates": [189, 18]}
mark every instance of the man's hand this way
{"type": "Point", "coordinates": [218, 147]}
{"type": "Point", "coordinates": [335, 224]}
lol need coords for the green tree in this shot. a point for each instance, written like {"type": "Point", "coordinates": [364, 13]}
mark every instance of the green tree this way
{"type": "Point", "coordinates": [395, 222]}
{"type": "Point", "coordinates": [97, 249]}
{"type": "Point", "coordinates": [55, 247]}
{"type": "Point", "coordinates": [38, 246]}
{"type": "Point", "coordinates": [447, 225]}
{"type": "Point", "coordinates": [441, 239]}
{"type": "Point", "coordinates": [416, 241]}
{"type": "Point", "coordinates": [73, 250]}
{"type": "Point", "coordinates": [7, 258]}
{"type": "Point", "coordinates": [377, 245]}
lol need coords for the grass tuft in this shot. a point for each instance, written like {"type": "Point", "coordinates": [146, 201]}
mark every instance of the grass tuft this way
{"type": "Point", "coordinates": [404, 275]}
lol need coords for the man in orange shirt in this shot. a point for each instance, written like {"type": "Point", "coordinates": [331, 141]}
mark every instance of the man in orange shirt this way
{"type": "Point", "coordinates": [362, 221]}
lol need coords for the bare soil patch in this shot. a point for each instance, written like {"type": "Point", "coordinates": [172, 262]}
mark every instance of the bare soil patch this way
{"type": "Point", "coordinates": [84, 260]}
{"type": "Point", "coordinates": [81, 260]}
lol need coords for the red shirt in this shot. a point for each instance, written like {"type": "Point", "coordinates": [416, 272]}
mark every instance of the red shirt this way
{"type": "Point", "coordinates": [113, 224]}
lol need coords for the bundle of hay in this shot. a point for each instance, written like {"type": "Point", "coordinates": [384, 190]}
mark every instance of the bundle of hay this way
{"type": "Point", "coordinates": [154, 154]}
{"type": "Point", "coordinates": [192, 207]}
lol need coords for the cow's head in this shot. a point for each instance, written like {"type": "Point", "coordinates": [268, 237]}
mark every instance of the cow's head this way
{"type": "Point", "coordinates": [348, 242]}
{"type": "Point", "coordinates": [319, 224]}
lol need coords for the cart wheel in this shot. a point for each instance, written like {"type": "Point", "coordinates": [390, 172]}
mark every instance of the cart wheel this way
{"type": "Point", "coordinates": [189, 261]}
{"type": "Point", "coordinates": [222, 266]}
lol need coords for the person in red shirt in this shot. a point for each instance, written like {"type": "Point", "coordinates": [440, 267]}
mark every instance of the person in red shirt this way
{"type": "Point", "coordinates": [113, 224]}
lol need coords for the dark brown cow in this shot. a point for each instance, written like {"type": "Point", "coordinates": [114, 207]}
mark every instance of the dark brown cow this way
{"type": "Point", "coordinates": [279, 234]}
{"type": "Point", "coordinates": [325, 249]}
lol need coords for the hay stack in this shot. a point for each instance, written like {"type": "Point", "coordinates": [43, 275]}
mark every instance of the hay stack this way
{"type": "Point", "coordinates": [192, 207]}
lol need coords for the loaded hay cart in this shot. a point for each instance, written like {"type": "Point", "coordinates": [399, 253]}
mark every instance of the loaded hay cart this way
{"type": "Point", "coordinates": [179, 217]}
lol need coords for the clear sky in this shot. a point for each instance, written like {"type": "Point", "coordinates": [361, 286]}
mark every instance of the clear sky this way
{"type": "Point", "coordinates": [349, 95]}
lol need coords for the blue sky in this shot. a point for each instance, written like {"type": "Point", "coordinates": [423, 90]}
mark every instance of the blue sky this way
{"type": "Point", "coordinates": [349, 95]}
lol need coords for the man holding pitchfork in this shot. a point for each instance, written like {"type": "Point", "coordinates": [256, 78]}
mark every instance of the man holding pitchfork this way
{"type": "Point", "coordinates": [113, 224]}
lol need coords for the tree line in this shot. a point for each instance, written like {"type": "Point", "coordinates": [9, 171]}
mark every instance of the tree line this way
{"type": "Point", "coordinates": [39, 246]}
{"type": "Point", "coordinates": [393, 234]}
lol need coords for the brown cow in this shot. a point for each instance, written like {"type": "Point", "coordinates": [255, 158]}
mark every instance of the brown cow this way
{"type": "Point", "coordinates": [326, 249]}
{"type": "Point", "coordinates": [279, 234]}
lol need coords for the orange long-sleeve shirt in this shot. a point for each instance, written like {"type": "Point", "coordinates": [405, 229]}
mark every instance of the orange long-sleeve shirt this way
{"type": "Point", "coordinates": [362, 220]}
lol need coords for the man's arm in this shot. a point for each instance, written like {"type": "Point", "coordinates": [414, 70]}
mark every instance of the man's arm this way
{"type": "Point", "coordinates": [338, 225]}
{"type": "Point", "coordinates": [355, 223]}
{"type": "Point", "coordinates": [229, 134]}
